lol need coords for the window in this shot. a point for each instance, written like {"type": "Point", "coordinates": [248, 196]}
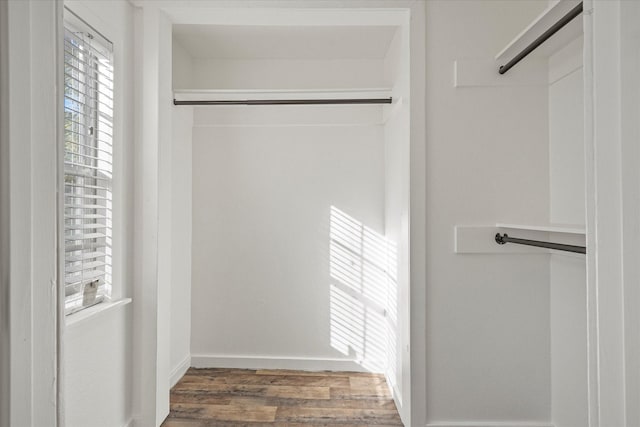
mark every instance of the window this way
{"type": "Point", "coordinates": [88, 167]}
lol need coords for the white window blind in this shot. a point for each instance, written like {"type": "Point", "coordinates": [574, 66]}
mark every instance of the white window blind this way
{"type": "Point", "coordinates": [88, 165]}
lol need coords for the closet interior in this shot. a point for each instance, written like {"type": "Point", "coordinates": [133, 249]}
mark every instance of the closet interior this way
{"type": "Point", "coordinates": [291, 163]}
{"type": "Point", "coordinates": [549, 53]}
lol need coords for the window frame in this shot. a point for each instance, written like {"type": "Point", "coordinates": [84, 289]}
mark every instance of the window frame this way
{"type": "Point", "coordinates": [98, 58]}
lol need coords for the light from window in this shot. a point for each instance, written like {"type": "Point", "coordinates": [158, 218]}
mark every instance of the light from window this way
{"type": "Point", "coordinates": [88, 167]}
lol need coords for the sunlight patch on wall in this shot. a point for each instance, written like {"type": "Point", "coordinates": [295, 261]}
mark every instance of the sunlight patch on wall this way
{"type": "Point", "coordinates": [363, 293]}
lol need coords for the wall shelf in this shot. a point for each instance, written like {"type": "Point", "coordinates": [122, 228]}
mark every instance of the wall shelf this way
{"type": "Point", "coordinates": [278, 94]}
{"type": "Point", "coordinates": [484, 72]}
{"type": "Point", "coordinates": [553, 228]}
{"type": "Point", "coordinates": [546, 19]}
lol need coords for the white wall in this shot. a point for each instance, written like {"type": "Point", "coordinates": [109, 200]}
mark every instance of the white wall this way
{"type": "Point", "coordinates": [566, 135]}
{"type": "Point", "coordinates": [568, 341]}
{"type": "Point", "coordinates": [283, 73]}
{"type": "Point", "coordinates": [488, 325]}
{"type": "Point", "coordinates": [99, 350]}
{"type": "Point", "coordinates": [98, 370]}
{"type": "Point", "coordinates": [263, 214]}
{"type": "Point", "coordinates": [182, 68]}
{"type": "Point", "coordinates": [568, 273]}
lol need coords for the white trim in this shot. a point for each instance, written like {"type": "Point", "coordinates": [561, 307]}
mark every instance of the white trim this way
{"type": "Point", "coordinates": [94, 311]}
{"type": "Point", "coordinates": [489, 424]}
{"type": "Point", "coordinates": [630, 176]}
{"type": "Point", "coordinates": [395, 393]}
{"type": "Point", "coordinates": [416, 397]}
{"type": "Point", "coordinates": [60, 248]}
{"type": "Point", "coordinates": [271, 362]}
{"type": "Point", "coordinates": [607, 288]}
{"type": "Point", "coordinates": [179, 371]}
{"type": "Point", "coordinates": [5, 258]}
{"type": "Point", "coordinates": [151, 290]}
{"type": "Point", "coordinates": [274, 16]}
{"type": "Point", "coordinates": [32, 128]}
{"type": "Point", "coordinates": [611, 64]}
{"type": "Point", "coordinates": [130, 423]}
{"type": "Point", "coordinates": [593, 406]}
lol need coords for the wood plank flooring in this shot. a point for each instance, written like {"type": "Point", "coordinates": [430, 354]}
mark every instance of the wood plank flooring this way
{"type": "Point", "coordinates": [278, 398]}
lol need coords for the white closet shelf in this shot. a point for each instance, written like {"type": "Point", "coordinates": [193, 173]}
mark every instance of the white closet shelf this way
{"type": "Point", "coordinates": [552, 228]}
{"type": "Point", "coordinates": [277, 94]}
{"type": "Point", "coordinates": [545, 20]}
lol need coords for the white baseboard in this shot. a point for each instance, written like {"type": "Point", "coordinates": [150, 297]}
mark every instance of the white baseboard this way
{"type": "Point", "coordinates": [179, 371]}
{"type": "Point", "coordinates": [267, 362]}
{"type": "Point", "coordinates": [130, 423]}
{"type": "Point", "coordinates": [488, 424]}
{"type": "Point", "coordinates": [397, 397]}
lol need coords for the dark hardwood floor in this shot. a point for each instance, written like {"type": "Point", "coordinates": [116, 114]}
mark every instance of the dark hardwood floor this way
{"type": "Point", "coordinates": [240, 397]}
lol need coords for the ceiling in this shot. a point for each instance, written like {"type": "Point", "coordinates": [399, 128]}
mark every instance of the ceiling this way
{"type": "Point", "coordinates": [284, 42]}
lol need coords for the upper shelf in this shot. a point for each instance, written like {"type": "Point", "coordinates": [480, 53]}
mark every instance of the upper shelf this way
{"type": "Point", "coordinates": [569, 229]}
{"type": "Point", "coordinates": [545, 20]}
{"type": "Point", "coordinates": [283, 94]}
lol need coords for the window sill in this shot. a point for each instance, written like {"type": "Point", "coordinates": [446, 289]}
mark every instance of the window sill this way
{"type": "Point", "coordinates": [96, 310]}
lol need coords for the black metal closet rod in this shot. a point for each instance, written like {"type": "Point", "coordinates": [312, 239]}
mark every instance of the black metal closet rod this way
{"type": "Point", "coordinates": [576, 11]}
{"type": "Point", "coordinates": [288, 101]}
{"type": "Point", "coordinates": [501, 240]}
